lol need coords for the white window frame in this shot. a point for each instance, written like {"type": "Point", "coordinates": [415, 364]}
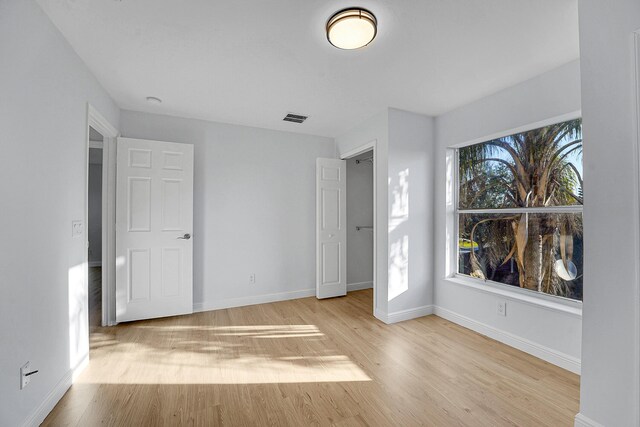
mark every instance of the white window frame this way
{"type": "Point", "coordinates": [555, 302]}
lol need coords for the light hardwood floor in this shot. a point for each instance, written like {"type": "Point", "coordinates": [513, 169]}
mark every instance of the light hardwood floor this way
{"type": "Point", "coordinates": [310, 362]}
{"type": "Point", "coordinates": [95, 298]}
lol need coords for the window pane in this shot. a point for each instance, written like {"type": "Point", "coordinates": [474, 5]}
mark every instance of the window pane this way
{"type": "Point", "coordinates": [541, 252]}
{"type": "Point", "coordinates": [541, 167]}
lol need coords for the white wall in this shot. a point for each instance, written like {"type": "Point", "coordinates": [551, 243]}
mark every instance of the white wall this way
{"type": "Point", "coordinates": [254, 207]}
{"type": "Point", "coordinates": [44, 89]}
{"type": "Point", "coordinates": [375, 129]}
{"type": "Point", "coordinates": [410, 195]}
{"type": "Point", "coordinates": [553, 334]}
{"type": "Point", "coordinates": [359, 212]}
{"type": "Point", "coordinates": [94, 226]}
{"type": "Point", "coordinates": [609, 383]}
{"type": "Point", "coordinates": [403, 161]}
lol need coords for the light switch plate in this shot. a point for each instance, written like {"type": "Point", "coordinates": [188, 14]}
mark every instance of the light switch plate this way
{"type": "Point", "coordinates": [77, 228]}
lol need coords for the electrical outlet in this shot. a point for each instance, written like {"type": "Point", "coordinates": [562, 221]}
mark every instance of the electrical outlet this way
{"type": "Point", "coordinates": [77, 228]}
{"type": "Point", "coordinates": [24, 378]}
{"type": "Point", "coordinates": [252, 278]}
{"type": "Point", "coordinates": [502, 308]}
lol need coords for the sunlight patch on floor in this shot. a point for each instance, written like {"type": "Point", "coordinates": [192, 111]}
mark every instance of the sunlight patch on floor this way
{"type": "Point", "coordinates": [192, 354]}
{"type": "Point", "coordinates": [259, 331]}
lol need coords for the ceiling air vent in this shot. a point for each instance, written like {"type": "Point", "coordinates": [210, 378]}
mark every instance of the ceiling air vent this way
{"type": "Point", "coordinates": [295, 118]}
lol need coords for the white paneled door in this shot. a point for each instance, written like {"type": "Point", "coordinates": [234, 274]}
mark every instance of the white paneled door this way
{"type": "Point", "coordinates": [154, 226]}
{"type": "Point", "coordinates": [331, 232]}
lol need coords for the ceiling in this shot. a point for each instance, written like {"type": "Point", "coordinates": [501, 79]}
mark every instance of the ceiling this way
{"type": "Point", "coordinates": [251, 62]}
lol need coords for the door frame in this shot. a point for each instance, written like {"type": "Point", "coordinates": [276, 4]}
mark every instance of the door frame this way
{"type": "Point", "coordinates": [370, 146]}
{"type": "Point", "coordinates": [109, 134]}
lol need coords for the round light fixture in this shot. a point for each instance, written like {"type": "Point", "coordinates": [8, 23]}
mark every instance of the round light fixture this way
{"type": "Point", "coordinates": [352, 28]}
{"type": "Point", "coordinates": [154, 100]}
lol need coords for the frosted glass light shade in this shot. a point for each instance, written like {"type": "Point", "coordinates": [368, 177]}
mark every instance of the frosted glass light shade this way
{"type": "Point", "coordinates": [352, 28]}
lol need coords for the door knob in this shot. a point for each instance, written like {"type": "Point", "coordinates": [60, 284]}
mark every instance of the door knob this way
{"type": "Point", "coordinates": [186, 236]}
{"type": "Point", "coordinates": [330, 235]}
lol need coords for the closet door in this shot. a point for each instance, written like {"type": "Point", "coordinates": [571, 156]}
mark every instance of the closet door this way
{"type": "Point", "coordinates": [331, 228]}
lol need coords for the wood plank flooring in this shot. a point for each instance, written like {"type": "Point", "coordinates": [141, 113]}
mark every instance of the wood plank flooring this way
{"type": "Point", "coordinates": [309, 362]}
{"type": "Point", "coordinates": [95, 297]}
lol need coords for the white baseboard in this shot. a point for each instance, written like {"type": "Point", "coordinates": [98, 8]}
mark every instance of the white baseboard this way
{"type": "Point", "coordinates": [401, 316]}
{"type": "Point", "coordinates": [40, 413]}
{"type": "Point", "coordinates": [583, 421]}
{"type": "Point", "coordinates": [95, 264]}
{"type": "Point", "coordinates": [359, 286]}
{"type": "Point", "coordinates": [380, 315]}
{"type": "Point", "coordinates": [252, 300]}
{"type": "Point", "coordinates": [412, 313]}
{"type": "Point", "coordinates": [555, 357]}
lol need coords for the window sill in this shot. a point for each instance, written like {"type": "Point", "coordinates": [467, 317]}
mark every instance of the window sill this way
{"type": "Point", "coordinates": [548, 302]}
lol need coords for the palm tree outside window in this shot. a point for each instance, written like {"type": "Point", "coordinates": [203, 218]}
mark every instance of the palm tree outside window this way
{"type": "Point", "coordinates": [519, 210]}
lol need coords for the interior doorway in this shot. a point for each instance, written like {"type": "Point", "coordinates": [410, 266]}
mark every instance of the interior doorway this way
{"type": "Point", "coordinates": [100, 149]}
{"type": "Point", "coordinates": [360, 222]}
{"type": "Point", "coordinates": [361, 225]}
{"type": "Point", "coordinates": [94, 227]}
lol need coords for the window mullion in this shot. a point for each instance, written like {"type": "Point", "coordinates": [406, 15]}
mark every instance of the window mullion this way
{"type": "Point", "coordinates": [549, 209]}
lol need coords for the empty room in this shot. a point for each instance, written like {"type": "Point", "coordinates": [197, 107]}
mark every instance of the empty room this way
{"type": "Point", "coordinates": [292, 213]}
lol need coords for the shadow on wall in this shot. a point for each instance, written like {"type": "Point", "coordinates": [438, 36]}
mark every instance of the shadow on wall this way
{"type": "Point", "coordinates": [398, 236]}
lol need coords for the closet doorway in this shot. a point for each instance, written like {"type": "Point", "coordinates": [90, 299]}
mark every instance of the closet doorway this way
{"type": "Point", "coordinates": [360, 222]}
{"type": "Point", "coordinates": [346, 232]}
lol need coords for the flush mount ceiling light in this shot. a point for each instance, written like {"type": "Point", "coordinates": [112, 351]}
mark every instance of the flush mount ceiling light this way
{"type": "Point", "coordinates": [154, 100]}
{"type": "Point", "coordinates": [352, 28]}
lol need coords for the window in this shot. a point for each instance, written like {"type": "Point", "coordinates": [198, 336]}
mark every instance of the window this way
{"type": "Point", "coordinates": [519, 210]}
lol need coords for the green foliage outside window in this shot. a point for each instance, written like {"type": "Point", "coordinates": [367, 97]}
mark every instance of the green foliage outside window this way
{"type": "Point", "coordinates": [536, 176]}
